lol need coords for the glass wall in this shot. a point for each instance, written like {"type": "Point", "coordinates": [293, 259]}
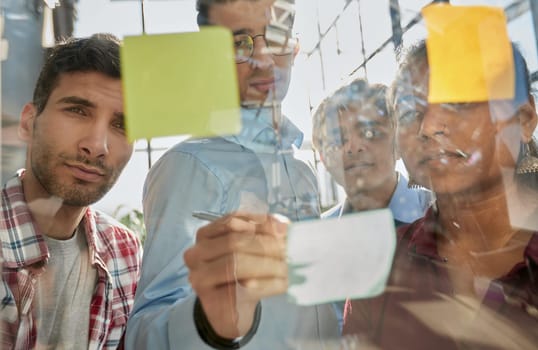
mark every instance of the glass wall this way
{"type": "Point", "coordinates": [339, 41]}
{"type": "Point", "coordinates": [430, 201]}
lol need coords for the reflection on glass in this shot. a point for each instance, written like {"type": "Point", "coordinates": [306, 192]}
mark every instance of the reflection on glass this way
{"type": "Point", "coordinates": [451, 286]}
{"type": "Point", "coordinates": [355, 135]}
{"type": "Point", "coordinates": [464, 274]}
{"type": "Point", "coordinates": [225, 270]}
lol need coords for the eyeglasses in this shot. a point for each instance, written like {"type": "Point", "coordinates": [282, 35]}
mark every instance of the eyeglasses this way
{"type": "Point", "coordinates": [277, 45]}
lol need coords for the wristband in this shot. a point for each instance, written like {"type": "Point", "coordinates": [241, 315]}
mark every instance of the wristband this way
{"type": "Point", "coordinates": [211, 338]}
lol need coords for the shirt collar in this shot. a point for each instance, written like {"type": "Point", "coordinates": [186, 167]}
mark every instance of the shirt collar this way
{"type": "Point", "coordinates": [257, 130]}
{"type": "Point", "coordinates": [22, 242]}
{"type": "Point", "coordinates": [404, 203]}
{"type": "Point", "coordinates": [96, 242]}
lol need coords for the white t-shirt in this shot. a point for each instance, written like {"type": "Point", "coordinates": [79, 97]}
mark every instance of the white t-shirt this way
{"type": "Point", "coordinates": [64, 296]}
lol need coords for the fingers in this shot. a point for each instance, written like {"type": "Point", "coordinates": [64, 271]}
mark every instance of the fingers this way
{"type": "Point", "coordinates": [256, 289]}
{"type": "Point", "coordinates": [236, 242]}
{"type": "Point", "coordinates": [240, 250]}
{"type": "Point", "coordinates": [274, 224]}
{"type": "Point", "coordinates": [266, 287]}
{"type": "Point", "coordinates": [245, 223]}
{"type": "Point", "coordinates": [225, 225]}
{"type": "Point", "coordinates": [236, 268]}
{"type": "Point", "coordinates": [259, 276]}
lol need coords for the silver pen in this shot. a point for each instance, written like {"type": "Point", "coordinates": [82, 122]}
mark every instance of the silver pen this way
{"type": "Point", "coordinates": [206, 215]}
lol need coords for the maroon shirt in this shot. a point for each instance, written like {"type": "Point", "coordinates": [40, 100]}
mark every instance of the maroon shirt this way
{"type": "Point", "coordinates": [419, 309]}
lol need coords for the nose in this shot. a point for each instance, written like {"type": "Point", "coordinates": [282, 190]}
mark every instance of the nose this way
{"type": "Point", "coordinates": [262, 58]}
{"type": "Point", "coordinates": [354, 145]}
{"type": "Point", "coordinates": [94, 143]}
{"type": "Point", "coordinates": [434, 122]}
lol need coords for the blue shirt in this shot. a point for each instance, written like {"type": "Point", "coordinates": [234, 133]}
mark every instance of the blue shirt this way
{"type": "Point", "coordinates": [406, 204]}
{"type": "Point", "coordinates": [251, 171]}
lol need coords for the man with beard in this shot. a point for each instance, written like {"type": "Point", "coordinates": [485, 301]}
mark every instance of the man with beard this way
{"type": "Point", "coordinates": [69, 272]}
{"type": "Point", "coordinates": [223, 285]}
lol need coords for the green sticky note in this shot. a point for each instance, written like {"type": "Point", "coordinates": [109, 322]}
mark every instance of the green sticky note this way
{"type": "Point", "coordinates": [180, 84]}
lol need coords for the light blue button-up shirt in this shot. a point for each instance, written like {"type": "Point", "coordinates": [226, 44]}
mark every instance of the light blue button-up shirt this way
{"type": "Point", "coordinates": [406, 204]}
{"type": "Point", "coordinates": [253, 171]}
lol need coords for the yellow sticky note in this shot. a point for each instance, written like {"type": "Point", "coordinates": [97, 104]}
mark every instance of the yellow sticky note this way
{"type": "Point", "coordinates": [180, 84]}
{"type": "Point", "coordinates": [469, 54]}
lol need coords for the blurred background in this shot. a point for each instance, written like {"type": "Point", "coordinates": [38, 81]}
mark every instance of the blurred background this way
{"type": "Point", "coordinates": [340, 40]}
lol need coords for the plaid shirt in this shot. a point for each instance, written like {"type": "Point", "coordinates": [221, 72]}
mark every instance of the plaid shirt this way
{"type": "Point", "coordinates": [114, 251]}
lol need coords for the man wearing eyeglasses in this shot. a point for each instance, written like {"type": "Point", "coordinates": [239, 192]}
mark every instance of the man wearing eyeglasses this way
{"type": "Point", "coordinates": [223, 285]}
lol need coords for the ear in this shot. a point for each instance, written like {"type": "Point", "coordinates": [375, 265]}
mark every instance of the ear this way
{"type": "Point", "coordinates": [527, 119]}
{"type": "Point", "coordinates": [295, 52]}
{"type": "Point", "coordinates": [296, 49]}
{"type": "Point", "coordinates": [321, 157]}
{"type": "Point", "coordinates": [26, 123]}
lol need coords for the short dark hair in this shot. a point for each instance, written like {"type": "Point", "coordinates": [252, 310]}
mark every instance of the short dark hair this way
{"type": "Point", "coordinates": [202, 6]}
{"type": "Point", "coordinates": [98, 53]}
{"type": "Point", "coordinates": [358, 92]}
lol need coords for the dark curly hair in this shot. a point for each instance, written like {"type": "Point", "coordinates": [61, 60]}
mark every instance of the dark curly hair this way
{"type": "Point", "coordinates": [98, 53]}
{"type": "Point", "coordinates": [202, 6]}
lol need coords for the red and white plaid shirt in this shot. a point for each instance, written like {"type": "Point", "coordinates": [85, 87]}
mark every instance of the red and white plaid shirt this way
{"type": "Point", "coordinates": [114, 251]}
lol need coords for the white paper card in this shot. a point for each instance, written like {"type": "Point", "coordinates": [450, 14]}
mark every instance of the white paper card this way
{"type": "Point", "coordinates": [333, 259]}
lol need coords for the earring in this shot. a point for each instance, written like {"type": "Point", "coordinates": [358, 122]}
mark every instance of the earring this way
{"type": "Point", "coordinates": [529, 163]}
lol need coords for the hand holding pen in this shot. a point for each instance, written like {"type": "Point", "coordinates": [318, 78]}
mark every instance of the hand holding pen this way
{"type": "Point", "coordinates": [237, 260]}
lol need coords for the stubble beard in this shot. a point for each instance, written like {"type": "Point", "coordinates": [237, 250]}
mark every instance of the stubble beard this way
{"type": "Point", "coordinates": [79, 193]}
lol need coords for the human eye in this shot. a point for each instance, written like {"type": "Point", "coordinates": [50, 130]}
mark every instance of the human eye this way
{"type": "Point", "coordinates": [76, 110]}
{"type": "Point", "coordinates": [243, 45]}
{"type": "Point", "coordinates": [119, 124]}
{"type": "Point", "coordinates": [371, 133]}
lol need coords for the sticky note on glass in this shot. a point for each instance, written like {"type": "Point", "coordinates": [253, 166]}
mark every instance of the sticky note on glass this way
{"type": "Point", "coordinates": [180, 84]}
{"type": "Point", "coordinates": [333, 259]}
{"type": "Point", "coordinates": [469, 54]}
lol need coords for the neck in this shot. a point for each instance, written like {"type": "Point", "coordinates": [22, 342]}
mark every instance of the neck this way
{"type": "Point", "coordinates": [373, 198]}
{"type": "Point", "coordinates": [477, 221]}
{"type": "Point", "coordinates": [478, 232]}
{"type": "Point", "coordinates": [53, 218]}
